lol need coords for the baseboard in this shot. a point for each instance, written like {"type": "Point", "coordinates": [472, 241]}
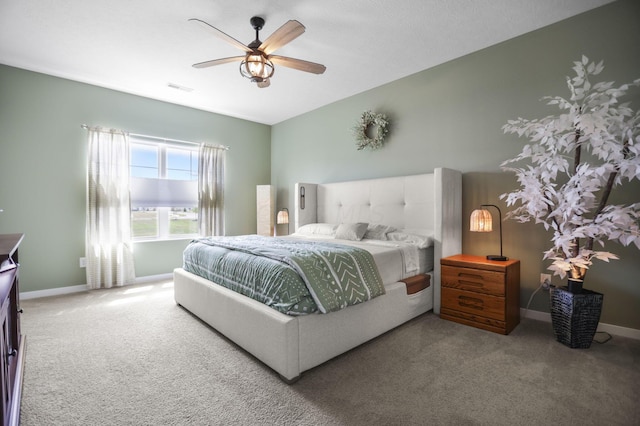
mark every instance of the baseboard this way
{"type": "Point", "coordinates": [83, 287]}
{"type": "Point", "coordinates": [616, 330]}
{"type": "Point", "coordinates": [59, 291]}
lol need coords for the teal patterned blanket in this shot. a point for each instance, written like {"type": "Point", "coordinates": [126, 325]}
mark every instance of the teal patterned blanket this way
{"type": "Point", "coordinates": [295, 277]}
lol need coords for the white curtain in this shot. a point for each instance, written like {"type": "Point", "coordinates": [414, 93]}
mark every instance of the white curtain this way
{"type": "Point", "coordinates": [108, 226]}
{"type": "Point", "coordinates": [211, 190]}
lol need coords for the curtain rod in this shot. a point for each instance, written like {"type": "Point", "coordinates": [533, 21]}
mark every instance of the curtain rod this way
{"type": "Point", "coordinates": [86, 127]}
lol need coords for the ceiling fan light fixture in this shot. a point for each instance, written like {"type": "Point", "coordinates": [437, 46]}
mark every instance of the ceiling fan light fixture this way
{"type": "Point", "coordinates": [257, 62]}
{"type": "Point", "coordinates": [256, 67]}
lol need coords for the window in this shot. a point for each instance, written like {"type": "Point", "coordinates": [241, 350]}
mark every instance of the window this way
{"type": "Point", "coordinates": [164, 189]}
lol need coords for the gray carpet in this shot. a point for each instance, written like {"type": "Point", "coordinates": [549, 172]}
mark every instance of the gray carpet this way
{"type": "Point", "coordinates": [132, 357]}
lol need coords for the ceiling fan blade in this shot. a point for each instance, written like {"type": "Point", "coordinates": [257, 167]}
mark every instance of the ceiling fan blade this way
{"type": "Point", "coordinates": [220, 61]}
{"type": "Point", "coordinates": [298, 64]}
{"type": "Point", "coordinates": [264, 83]}
{"type": "Point", "coordinates": [226, 37]}
{"type": "Point", "coordinates": [283, 35]}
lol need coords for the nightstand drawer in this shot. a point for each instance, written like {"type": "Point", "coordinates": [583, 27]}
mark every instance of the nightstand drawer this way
{"type": "Point", "coordinates": [476, 280]}
{"type": "Point", "coordinates": [474, 320]}
{"type": "Point", "coordinates": [474, 303]}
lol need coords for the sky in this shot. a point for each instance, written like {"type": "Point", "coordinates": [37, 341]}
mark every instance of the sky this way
{"type": "Point", "coordinates": [182, 164]}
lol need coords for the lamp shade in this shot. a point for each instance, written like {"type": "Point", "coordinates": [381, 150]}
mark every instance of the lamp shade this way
{"type": "Point", "coordinates": [481, 221]}
{"type": "Point", "coordinates": [283, 217]}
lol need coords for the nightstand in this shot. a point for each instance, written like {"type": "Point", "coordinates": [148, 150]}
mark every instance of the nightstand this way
{"type": "Point", "coordinates": [481, 293]}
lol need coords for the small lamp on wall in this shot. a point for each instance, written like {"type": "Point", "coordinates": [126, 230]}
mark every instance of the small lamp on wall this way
{"type": "Point", "coordinates": [481, 221]}
{"type": "Point", "coordinates": [283, 217]}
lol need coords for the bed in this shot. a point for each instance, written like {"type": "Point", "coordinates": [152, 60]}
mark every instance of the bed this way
{"type": "Point", "coordinates": [291, 344]}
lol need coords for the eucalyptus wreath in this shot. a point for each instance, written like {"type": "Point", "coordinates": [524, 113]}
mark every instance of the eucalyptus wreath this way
{"type": "Point", "coordinates": [369, 120]}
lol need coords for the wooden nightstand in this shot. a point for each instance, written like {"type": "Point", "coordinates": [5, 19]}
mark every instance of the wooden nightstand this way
{"type": "Point", "coordinates": [481, 293]}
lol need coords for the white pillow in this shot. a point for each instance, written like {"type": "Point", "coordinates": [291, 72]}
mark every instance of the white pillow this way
{"type": "Point", "coordinates": [421, 241]}
{"type": "Point", "coordinates": [417, 231]}
{"type": "Point", "coordinates": [377, 232]}
{"type": "Point", "coordinates": [351, 231]}
{"type": "Point", "coordinates": [324, 229]}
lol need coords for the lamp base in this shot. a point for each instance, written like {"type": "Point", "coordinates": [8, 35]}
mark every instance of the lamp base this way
{"type": "Point", "coordinates": [497, 257]}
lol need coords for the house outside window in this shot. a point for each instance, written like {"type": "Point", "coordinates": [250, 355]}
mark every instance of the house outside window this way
{"type": "Point", "coordinates": [164, 190]}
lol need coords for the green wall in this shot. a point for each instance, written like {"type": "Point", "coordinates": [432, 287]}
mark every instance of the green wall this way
{"type": "Point", "coordinates": [451, 116]}
{"type": "Point", "coordinates": [43, 166]}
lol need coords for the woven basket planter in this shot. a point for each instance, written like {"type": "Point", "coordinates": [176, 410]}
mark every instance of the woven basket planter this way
{"type": "Point", "coordinates": [575, 316]}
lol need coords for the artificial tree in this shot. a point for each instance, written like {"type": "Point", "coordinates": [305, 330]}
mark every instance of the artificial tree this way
{"type": "Point", "coordinates": [570, 166]}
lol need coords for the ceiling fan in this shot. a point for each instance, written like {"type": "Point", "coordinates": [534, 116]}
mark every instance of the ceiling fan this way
{"type": "Point", "coordinates": [257, 63]}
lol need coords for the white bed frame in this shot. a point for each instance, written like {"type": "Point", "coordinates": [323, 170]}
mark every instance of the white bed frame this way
{"type": "Point", "coordinates": [291, 345]}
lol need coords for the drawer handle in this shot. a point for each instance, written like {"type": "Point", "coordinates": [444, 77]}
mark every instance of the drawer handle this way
{"type": "Point", "coordinates": [471, 302]}
{"type": "Point", "coordinates": [471, 283]}
{"type": "Point", "coordinates": [463, 275]}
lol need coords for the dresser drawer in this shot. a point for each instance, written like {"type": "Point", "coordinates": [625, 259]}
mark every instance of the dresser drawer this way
{"type": "Point", "coordinates": [474, 303]}
{"type": "Point", "coordinates": [476, 280]}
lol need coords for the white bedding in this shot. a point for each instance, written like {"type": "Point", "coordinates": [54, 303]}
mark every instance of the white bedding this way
{"type": "Point", "coordinates": [395, 260]}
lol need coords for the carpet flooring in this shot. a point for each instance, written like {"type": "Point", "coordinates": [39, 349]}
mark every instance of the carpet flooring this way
{"type": "Point", "coordinates": [131, 356]}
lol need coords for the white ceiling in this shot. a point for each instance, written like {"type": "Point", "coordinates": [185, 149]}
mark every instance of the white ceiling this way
{"type": "Point", "coordinates": [140, 46]}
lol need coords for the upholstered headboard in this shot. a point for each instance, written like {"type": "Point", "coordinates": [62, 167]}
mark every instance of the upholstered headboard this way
{"type": "Point", "coordinates": [430, 201]}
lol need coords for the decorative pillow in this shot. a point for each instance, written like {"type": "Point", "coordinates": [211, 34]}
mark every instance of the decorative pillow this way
{"type": "Point", "coordinates": [351, 231]}
{"type": "Point", "coordinates": [324, 229]}
{"type": "Point", "coordinates": [421, 241]}
{"type": "Point", "coordinates": [377, 232]}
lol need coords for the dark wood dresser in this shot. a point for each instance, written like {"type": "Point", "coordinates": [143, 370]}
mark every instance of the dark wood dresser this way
{"type": "Point", "coordinates": [12, 342]}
